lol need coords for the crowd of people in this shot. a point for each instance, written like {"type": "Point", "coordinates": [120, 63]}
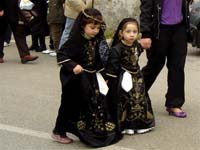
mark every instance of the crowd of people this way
{"type": "Point", "coordinates": [104, 90]}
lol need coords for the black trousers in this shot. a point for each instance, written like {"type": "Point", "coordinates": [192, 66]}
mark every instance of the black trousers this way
{"type": "Point", "coordinates": [171, 46]}
{"type": "Point", "coordinates": [19, 34]}
{"type": "Point", "coordinates": [3, 26]}
{"type": "Point", "coordinates": [20, 40]}
{"type": "Point", "coordinates": [1, 46]}
{"type": "Point", "coordinates": [39, 41]}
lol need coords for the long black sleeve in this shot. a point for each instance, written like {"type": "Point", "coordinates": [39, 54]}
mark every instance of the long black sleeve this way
{"type": "Point", "coordinates": [146, 17]}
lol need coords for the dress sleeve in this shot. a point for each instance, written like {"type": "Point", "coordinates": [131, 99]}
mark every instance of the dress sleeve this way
{"type": "Point", "coordinates": [113, 64]}
{"type": "Point", "coordinates": [65, 55]}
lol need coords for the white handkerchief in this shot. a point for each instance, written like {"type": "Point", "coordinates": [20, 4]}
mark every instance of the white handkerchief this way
{"type": "Point", "coordinates": [103, 88]}
{"type": "Point", "coordinates": [127, 83]}
{"type": "Point", "coordinates": [26, 5]}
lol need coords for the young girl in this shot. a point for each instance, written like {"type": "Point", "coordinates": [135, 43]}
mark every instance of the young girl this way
{"type": "Point", "coordinates": [83, 109]}
{"type": "Point", "coordinates": [126, 85]}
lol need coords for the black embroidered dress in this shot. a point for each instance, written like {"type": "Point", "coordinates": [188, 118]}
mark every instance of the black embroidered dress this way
{"type": "Point", "coordinates": [86, 108]}
{"type": "Point", "coordinates": [132, 109]}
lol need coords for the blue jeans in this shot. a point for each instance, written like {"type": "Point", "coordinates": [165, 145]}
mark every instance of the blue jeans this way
{"type": "Point", "coordinates": [65, 35]}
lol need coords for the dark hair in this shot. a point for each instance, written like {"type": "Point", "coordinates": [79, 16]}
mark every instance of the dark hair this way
{"type": "Point", "coordinates": [122, 25]}
{"type": "Point", "coordinates": [89, 15]}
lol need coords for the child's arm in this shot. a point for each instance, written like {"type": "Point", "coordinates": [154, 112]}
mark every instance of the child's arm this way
{"type": "Point", "coordinates": [113, 64]}
{"type": "Point", "coordinates": [65, 57]}
{"type": "Point", "coordinates": [140, 49]}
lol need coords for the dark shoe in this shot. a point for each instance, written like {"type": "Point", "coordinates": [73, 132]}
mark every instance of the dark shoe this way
{"type": "Point", "coordinates": [32, 47]}
{"type": "Point", "coordinates": [61, 138]}
{"type": "Point", "coordinates": [180, 114]}
{"type": "Point", "coordinates": [28, 58]}
{"type": "Point", "coordinates": [1, 60]}
{"type": "Point", "coordinates": [38, 49]}
{"type": "Point", "coordinates": [6, 44]}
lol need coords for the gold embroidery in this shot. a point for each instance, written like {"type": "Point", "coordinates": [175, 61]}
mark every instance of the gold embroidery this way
{"type": "Point", "coordinates": [149, 115]}
{"type": "Point", "coordinates": [110, 126]}
{"type": "Point", "coordinates": [81, 125]}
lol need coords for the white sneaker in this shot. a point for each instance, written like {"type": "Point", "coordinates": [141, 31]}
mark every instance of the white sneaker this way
{"type": "Point", "coordinates": [140, 131]}
{"type": "Point", "coordinates": [53, 54]}
{"type": "Point", "coordinates": [129, 131]}
{"type": "Point", "coordinates": [123, 132]}
{"type": "Point", "coordinates": [47, 51]}
{"type": "Point", "coordinates": [5, 44]}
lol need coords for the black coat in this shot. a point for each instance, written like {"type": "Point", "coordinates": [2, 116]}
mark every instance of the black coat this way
{"type": "Point", "coordinates": [151, 15]}
{"type": "Point", "coordinates": [11, 11]}
{"type": "Point", "coordinates": [40, 26]}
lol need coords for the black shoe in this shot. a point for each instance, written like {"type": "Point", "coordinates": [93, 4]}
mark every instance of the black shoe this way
{"type": "Point", "coordinates": [32, 47]}
{"type": "Point", "coordinates": [38, 49]}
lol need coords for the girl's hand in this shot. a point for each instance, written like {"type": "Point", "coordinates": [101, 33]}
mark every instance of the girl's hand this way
{"type": "Point", "coordinates": [78, 69]}
{"type": "Point", "coordinates": [1, 13]}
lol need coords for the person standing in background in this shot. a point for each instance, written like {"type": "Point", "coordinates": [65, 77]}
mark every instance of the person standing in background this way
{"type": "Point", "coordinates": [164, 28]}
{"type": "Point", "coordinates": [41, 29]}
{"type": "Point", "coordinates": [56, 20]}
{"type": "Point", "coordinates": [7, 36]}
{"type": "Point", "coordinates": [18, 28]}
{"type": "Point", "coordinates": [2, 29]}
{"type": "Point", "coordinates": [71, 10]}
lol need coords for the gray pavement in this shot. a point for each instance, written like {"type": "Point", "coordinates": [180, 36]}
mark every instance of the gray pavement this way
{"type": "Point", "coordinates": [30, 97]}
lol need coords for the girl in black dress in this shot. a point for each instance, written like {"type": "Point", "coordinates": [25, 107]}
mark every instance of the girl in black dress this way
{"type": "Point", "coordinates": [132, 109]}
{"type": "Point", "coordinates": [83, 109]}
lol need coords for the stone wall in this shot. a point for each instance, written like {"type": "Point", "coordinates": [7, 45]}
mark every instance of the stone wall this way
{"type": "Point", "coordinates": [115, 10]}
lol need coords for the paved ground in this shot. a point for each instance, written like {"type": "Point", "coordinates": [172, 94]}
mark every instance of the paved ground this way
{"type": "Point", "coordinates": [30, 97]}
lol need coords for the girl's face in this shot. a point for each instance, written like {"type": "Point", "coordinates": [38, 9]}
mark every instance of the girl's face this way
{"type": "Point", "coordinates": [92, 29]}
{"type": "Point", "coordinates": [130, 33]}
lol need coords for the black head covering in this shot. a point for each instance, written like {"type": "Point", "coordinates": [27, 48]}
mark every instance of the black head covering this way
{"type": "Point", "coordinates": [89, 15]}
{"type": "Point", "coordinates": [116, 38]}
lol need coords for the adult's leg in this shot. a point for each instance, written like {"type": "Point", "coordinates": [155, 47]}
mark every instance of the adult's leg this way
{"type": "Point", "coordinates": [7, 35]}
{"type": "Point", "coordinates": [175, 96]}
{"type": "Point", "coordinates": [65, 35]}
{"type": "Point", "coordinates": [56, 32]}
{"type": "Point", "coordinates": [51, 46]}
{"type": "Point", "coordinates": [35, 44]}
{"type": "Point", "coordinates": [20, 39]}
{"type": "Point", "coordinates": [42, 42]}
{"type": "Point", "coordinates": [1, 49]}
{"type": "Point", "coordinates": [156, 58]}
{"type": "Point", "coordinates": [3, 26]}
